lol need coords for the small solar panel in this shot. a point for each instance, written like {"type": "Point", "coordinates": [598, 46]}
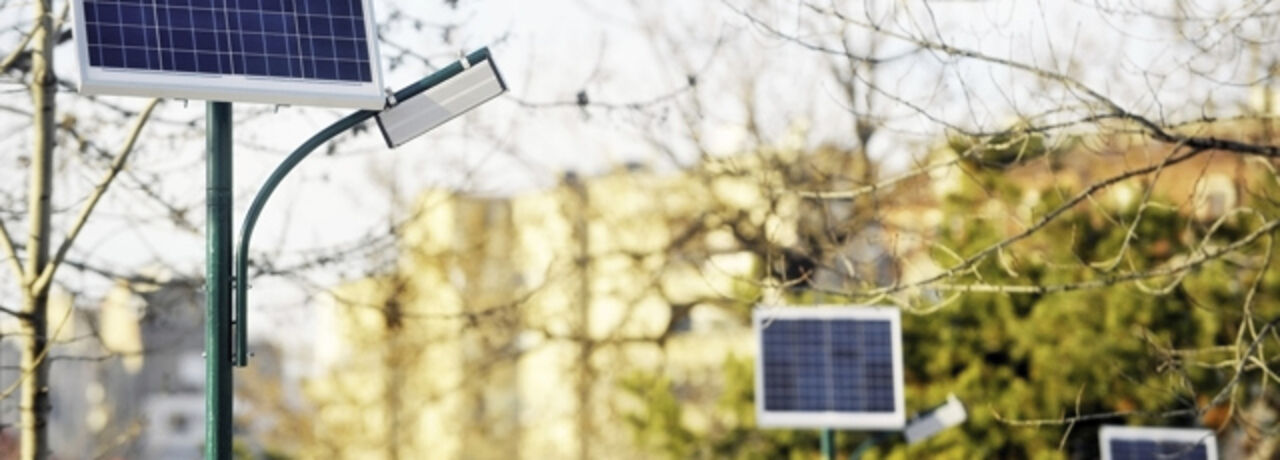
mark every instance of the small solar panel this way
{"type": "Point", "coordinates": [829, 367]}
{"type": "Point", "coordinates": [313, 52]}
{"type": "Point", "coordinates": [1149, 443]}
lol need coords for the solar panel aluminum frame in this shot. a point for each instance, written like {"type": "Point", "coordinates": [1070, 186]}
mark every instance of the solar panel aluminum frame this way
{"type": "Point", "coordinates": [1203, 436]}
{"type": "Point", "coordinates": [232, 88]}
{"type": "Point", "coordinates": [880, 421]}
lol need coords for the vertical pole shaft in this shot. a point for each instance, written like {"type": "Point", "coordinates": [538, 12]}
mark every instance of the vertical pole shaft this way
{"type": "Point", "coordinates": [866, 445]}
{"type": "Point", "coordinates": [217, 339]}
{"type": "Point", "coordinates": [828, 444]}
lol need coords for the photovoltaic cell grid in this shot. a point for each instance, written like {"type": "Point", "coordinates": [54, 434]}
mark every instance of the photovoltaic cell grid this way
{"type": "Point", "coordinates": [1148, 449]}
{"type": "Point", "coordinates": [303, 39]}
{"type": "Point", "coordinates": [842, 365]}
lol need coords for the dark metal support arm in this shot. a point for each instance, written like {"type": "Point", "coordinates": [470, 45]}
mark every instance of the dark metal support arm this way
{"type": "Point", "coordinates": [241, 355]}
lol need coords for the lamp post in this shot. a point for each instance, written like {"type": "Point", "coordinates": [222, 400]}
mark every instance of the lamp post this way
{"type": "Point", "coordinates": [920, 427]}
{"type": "Point", "coordinates": [828, 444]}
{"type": "Point", "coordinates": [411, 111]}
{"type": "Point", "coordinates": [217, 323]}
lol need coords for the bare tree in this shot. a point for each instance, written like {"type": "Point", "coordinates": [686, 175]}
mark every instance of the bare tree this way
{"type": "Point", "coordinates": [32, 60]}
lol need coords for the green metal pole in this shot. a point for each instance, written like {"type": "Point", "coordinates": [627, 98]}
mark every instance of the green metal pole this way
{"type": "Point", "coordinates": [217, 337]}
{"type": "Point", "coordinates": [866, 445]}
{"type": "Point", "coordinates": [828, 444]}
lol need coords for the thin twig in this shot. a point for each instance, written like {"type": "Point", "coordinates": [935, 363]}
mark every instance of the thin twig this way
{"type": "Point", "coordinates": [52, 267]}
{"type": "Point", "coordinates": [1044, 221]}
{"type": "Point", "coordinates": [12, 312]}
{"type": "Point", "coordinates": [6, 243]}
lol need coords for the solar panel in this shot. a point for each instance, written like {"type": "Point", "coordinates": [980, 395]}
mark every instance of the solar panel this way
{"type": "Point", "coordinates": [829, 367]}
{"type": "Point", "coordinates": [1146, 443]}
{"type": "Point", "coordinates": [312, 52]}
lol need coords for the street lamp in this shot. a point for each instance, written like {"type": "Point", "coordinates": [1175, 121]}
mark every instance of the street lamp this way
{"type": "Point", "coordinates": [412, 111]}
{"type": "Point", "coordinates": [922, 426]}
{"type": "Point", "coordinates": [926, 425]}
{"type": "Point", "coordinates": [276, 62]}
{"type": "Point", "coordinates": [453, 96]}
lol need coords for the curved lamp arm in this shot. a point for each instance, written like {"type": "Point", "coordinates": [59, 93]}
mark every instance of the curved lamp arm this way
{"type": "Point", "coordinates": [240, 357]}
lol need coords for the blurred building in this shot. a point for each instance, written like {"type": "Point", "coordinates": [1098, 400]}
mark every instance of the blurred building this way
{"type": "Point", "coordinates": [510, 323]}
{"type": "Point", "coordinates": [127, 376]}
{"type": "Point", "coordinates": [152, 400]}
{"type": "Point", "coordinates": [72, 365]}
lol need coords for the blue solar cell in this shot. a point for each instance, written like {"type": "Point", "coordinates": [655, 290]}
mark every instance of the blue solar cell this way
{"type": "Point", "coordinates": [311, 39]}
{"type": "Point", "coordinates": [842, 365]}
{"type": "Point", "coordinates": [1148, 449]}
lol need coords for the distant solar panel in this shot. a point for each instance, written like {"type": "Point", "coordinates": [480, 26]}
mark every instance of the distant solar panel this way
{"type": "Point", "coordinates": [1145, 443]}
{"type": "Point", "coordinates": [312, 52]}
{"type": "Point", "coordinates": [829, 367]}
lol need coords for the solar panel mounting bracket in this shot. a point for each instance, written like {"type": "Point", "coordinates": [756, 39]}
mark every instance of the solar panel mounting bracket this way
{"type": "Point", "coordinates": [391, 99]}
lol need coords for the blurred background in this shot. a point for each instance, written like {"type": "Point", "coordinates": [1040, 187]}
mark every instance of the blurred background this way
{"type": "Point", "coordinates": [1073, 203]}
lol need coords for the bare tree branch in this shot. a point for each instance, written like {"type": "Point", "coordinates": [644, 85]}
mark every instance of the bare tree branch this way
{"type": "Point", "coordinates": [6, 243]}
{"type": "Point", "coordinates": [18, 51]}
{"type": "Point", "coordinates": [1039, 224]}
{"type": "Point", "coordinates": [47, 275]}
{"type": "Point", "coordinates": [12, 312]}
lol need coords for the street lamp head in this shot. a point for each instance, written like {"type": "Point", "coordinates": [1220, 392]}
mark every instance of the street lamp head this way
{"type": "Point", "coordinates": [950, 414]}
{"type": "Point", "coordinates": [466, 85]}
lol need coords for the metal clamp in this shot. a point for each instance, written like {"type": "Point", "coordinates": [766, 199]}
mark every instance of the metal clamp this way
{"type": "Point", "coordinates": [391, 98]}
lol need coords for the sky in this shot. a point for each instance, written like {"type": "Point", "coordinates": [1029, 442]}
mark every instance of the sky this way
{"type": "Point", "coordinates": [619, 53]}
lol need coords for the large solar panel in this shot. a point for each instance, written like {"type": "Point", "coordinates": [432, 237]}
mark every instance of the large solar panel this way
{"type": "Point", "coordinates": [311, 52]}
{"type": "Point", "coordinates": [829, 367]}
{"type": "Point", "coordinates": [1144, 443]}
